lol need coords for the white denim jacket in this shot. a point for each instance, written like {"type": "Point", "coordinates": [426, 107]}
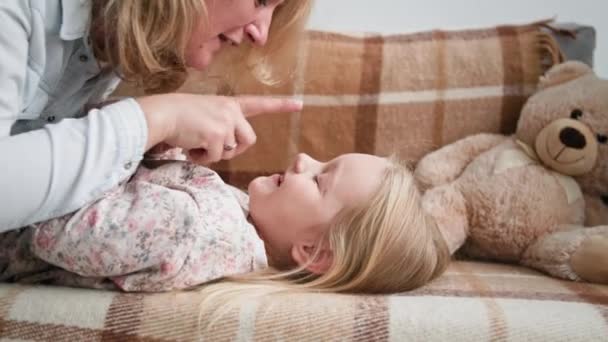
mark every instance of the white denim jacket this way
{"type": "Point", "coordinates": [54, 157]}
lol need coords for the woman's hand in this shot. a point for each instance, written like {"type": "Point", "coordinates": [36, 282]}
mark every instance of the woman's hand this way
{"type": "Point", "coordinates": [211, 128]}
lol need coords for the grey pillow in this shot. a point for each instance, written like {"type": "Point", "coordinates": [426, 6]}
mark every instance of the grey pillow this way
{"type": "Point", "coordinates": [579, 45]}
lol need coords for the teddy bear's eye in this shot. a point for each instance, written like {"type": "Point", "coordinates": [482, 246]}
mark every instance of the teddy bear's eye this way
{"type": "Point", "coordinates": [602, 139]}
{"type": "Point", "coordinates": [576, 114]}
{"type": "Point", "coordinates": [605, 199]}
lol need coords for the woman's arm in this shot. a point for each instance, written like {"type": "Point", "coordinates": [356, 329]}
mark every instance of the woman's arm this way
{"type": "Point", "coordinates": [62, 167]}
{"type": "Point", "coordinates": [58, 169]}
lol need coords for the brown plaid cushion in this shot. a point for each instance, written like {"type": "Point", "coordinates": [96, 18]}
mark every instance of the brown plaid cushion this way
{"type": "Point", "coordinates": [470, 302]}
{"type": "Point", "coordinates": [382, 94]}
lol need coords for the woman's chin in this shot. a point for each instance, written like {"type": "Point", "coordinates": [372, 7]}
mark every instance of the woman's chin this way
{"type": "Point", "coordinates": [200, 62]}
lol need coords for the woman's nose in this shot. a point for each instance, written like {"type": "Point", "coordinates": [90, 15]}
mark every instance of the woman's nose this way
{"type": "Point", "coordinates": [258, 29]}
{"type": "Point", "coordinates": [257, 33]}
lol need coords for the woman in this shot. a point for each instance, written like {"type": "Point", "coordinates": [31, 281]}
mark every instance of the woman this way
{"type": "Point", "coordinates": [58, 56]}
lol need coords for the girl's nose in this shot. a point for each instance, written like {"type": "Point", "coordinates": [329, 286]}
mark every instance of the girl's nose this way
{"type": "Point", "coordinates": [304, 163]}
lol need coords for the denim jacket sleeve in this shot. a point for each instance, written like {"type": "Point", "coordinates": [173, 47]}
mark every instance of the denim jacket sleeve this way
{"type": "Point", "coordinates": [52, 171]}
{"type": "Point", "coordinates": [14, 46]}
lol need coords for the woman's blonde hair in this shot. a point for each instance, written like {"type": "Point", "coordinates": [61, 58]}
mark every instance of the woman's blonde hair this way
{"type": "Point", "coordinates": [145, 41]}
{"type": "Point", "coordinates": [388, 245]}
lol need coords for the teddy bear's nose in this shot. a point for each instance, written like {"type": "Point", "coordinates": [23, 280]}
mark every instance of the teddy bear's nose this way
{"type": "Point", "coordinates": [572, 138]}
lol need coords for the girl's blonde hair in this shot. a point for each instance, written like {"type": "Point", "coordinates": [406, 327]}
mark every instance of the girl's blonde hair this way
{"type": "Point", "coordinates": [388, 245]}
{"type": "Point", "coordinates": [145, 41]}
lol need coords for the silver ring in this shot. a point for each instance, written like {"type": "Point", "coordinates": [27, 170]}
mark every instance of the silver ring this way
{"type": "Point", "coordinates": [229, 148]}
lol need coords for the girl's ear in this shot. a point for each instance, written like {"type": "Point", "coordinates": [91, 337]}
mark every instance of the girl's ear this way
{"type": "Point", "coordinates": [304, 255]}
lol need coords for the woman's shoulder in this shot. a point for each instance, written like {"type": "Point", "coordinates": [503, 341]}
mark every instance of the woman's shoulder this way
{"type": "Point", "coordinates": [31, 12]}
{"type": "Point", "coordinates": [62, 19]}
{"type": "Point", "coordinates": [67, 18]}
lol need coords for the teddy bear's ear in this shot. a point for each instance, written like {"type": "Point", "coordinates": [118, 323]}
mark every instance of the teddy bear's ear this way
{"type": "Point", "coordinates": [563, 73]}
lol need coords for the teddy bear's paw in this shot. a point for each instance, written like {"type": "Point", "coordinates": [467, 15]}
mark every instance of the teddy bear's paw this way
{"type": "Point", "coordinates": [590, 261]}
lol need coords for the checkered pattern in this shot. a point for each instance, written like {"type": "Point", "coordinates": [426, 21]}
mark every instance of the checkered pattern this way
{"type": "Point", "coordinates": [382, 94]}
{"type": "Point", "coordinates": [404, 94]}
{"type": "Point", "coordinates": [470, 302]}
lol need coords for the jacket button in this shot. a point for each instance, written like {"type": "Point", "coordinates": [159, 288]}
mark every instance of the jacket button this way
{"type": "Point", "coordinates": [83, 58]}
{"type": "Point", "coordinates": [128, 165]}
{"type": "Point", "coordinates": [51, 118]}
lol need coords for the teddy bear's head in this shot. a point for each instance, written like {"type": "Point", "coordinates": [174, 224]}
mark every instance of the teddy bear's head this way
{"type": "Point", "coordinates": [566, 122]}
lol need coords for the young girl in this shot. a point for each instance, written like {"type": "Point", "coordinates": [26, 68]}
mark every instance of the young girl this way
{"type": "Point", "coordinates": [353, 224]}
{"type": "Point", "coordinates": [59, 56]}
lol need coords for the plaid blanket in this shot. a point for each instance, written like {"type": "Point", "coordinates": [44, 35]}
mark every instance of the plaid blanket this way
{"type": "Point", "coordinates": [382, 94]}
{"type": "Point", "coordinates": [406, 94]}
{"type": "Point", "coordinates": [471, 302]}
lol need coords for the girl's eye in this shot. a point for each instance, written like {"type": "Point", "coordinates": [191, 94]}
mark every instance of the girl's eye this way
{"type": "Point", "coordinates": [318, 182]}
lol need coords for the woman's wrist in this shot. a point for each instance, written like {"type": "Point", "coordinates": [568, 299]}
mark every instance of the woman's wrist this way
{"type": "Point", "coordinates": [159, 120]}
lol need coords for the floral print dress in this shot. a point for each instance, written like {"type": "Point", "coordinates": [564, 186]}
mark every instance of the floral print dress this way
{"type": "Point", "coordinates": [172, 226]}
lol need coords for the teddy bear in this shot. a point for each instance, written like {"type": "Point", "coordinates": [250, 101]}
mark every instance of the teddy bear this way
{"type": "Point", "coordinates": [538, 198]}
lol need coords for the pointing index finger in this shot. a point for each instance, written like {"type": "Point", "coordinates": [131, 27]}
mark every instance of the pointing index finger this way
{"type": "Point", "coordinates": [256, 105]}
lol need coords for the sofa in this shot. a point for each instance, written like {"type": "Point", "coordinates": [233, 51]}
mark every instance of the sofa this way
{"type": "Point", "coordinates": [404, 94]}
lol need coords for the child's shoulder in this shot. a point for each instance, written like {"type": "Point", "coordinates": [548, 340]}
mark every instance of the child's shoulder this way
{"type": "Point", "coordinates": [241, 196]}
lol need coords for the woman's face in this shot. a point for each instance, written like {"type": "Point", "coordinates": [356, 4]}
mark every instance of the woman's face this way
{"type": "Point", "coordinates": [229, 22]}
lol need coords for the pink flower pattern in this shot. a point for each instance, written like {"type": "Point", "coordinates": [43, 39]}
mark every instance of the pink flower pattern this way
{"type": "Point", "coordinates": [170, 227]}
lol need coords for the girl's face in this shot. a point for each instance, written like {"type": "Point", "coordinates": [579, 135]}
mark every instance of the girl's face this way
{"type": "Point", "coordinates": [229, 22]}
{"type": "Point", "coordinates": [293, 210]}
